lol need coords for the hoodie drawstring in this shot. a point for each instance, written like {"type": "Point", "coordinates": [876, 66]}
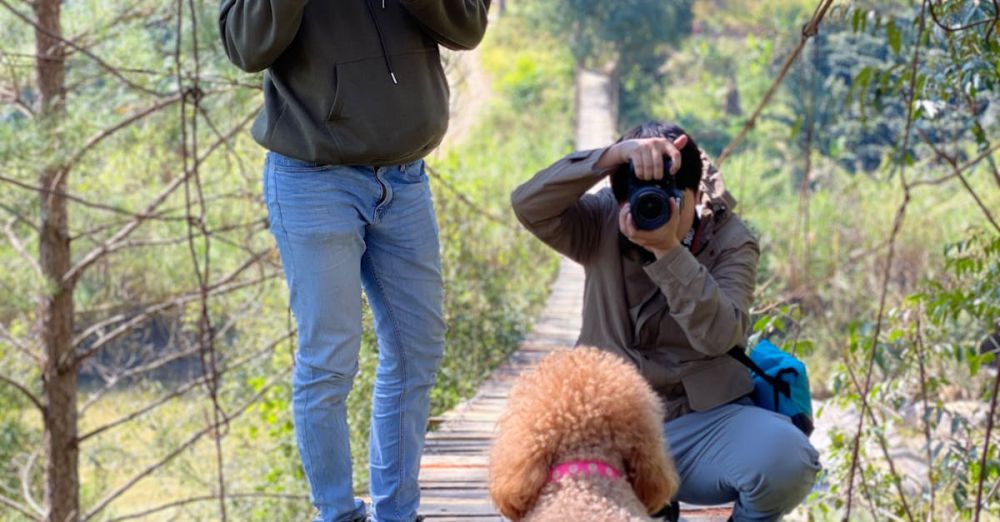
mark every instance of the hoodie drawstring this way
{"type": "Point", "coordinates": [381, 39]}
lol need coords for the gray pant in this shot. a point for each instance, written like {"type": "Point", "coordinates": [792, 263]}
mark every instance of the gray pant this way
{"type": "Point", "coordinates": [740, 453]}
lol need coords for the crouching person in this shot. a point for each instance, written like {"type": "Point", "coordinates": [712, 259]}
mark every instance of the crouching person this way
{"type": "Point", "coordinates": [672, 297]}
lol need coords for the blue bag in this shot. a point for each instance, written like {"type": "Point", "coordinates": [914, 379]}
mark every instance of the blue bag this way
{"type": "Point", "coordinates": [780, 382]}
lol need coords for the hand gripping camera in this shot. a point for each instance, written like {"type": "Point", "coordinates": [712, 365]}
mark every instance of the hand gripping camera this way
{"type": "Point", "coordinates": [650, 200]}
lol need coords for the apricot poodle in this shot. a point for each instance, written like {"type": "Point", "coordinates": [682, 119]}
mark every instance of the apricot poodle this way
{"type": "Point", "coordinates": [581, 441]}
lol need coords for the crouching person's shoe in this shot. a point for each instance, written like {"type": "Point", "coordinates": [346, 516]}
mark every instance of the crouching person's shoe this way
{"type": "Point", "coordinates": [670, 513]}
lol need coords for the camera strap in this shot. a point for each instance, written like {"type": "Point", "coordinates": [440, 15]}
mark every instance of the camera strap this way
{"type": "Point", "coordinates": [692, 240]}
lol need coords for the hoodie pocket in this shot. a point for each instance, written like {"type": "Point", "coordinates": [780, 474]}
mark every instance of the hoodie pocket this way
{"type": "Point", "coordinates": [373, 120]}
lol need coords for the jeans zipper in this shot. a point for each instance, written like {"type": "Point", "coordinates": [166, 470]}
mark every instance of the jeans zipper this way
{"type": "Point", "coordinates": [382, 197]}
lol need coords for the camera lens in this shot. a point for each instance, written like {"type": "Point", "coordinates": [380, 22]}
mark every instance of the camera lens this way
{"type": "Point", "coordinates": [650, 207]}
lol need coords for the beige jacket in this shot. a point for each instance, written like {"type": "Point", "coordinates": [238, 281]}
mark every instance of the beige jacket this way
{"type": "Point", "coordinates": [674, 318]}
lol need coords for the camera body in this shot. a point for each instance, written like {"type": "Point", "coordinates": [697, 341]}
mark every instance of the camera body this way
{"type": "Point", "coordinates": [650, 200]}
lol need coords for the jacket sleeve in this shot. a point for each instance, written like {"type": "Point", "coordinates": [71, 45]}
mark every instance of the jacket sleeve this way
{"type": "Point", "coordinates": [713, 308]}
{"type": "Point", "coordinates": [255, 32]}
{"type": "Point", "coordinates": [553, 205]}
{"type": "Point", "coordinates": [455, 24]}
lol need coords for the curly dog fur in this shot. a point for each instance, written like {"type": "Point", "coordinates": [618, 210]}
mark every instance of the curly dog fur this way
{"type": "Point", "coordinates": [581, 404]}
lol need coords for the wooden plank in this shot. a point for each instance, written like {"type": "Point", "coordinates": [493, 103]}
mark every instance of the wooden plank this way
{"type": "Point", "coordinates": [454, 467]}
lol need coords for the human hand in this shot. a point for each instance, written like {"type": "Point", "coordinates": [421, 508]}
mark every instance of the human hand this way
{"type": "Point", "coordinates": [646, 155]}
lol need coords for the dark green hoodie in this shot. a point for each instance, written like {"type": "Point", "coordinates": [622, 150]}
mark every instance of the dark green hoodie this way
{"type": "Point", "coordinates": [350, 82]}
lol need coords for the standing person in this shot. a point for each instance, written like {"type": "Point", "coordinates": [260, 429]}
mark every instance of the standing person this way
{"type": "Point", "coordinates": [354, 97]}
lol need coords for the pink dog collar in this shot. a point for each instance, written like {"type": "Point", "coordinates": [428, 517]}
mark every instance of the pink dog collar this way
{"type": "Point", "coordinates": [583, 467]}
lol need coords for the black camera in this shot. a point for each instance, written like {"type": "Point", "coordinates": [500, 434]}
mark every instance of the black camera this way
{"type": "Point", "coordinates": [650, 200]}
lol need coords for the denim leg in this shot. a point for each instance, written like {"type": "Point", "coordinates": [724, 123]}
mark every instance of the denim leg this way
{"type": "Point", "coordinates": [742, 453]}
{"type": "Point", "coordinates": [314, 218]}
{"type": "Point", "coordinates": [401, 273]}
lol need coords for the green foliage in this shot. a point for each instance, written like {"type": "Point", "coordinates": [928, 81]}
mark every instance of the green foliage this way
{"type": "Point", "coordinates": [603, 31]}
{"type": "Point", "coordinates": [824, 242]}
{"type": "Point", "coordinates": [530, 71]}
{"type": "Point", "coordinates": [630, 38]}
{"type": "Point", "coordinates": [928, 352]}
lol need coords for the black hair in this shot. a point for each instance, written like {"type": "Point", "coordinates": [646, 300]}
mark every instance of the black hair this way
{"type": "Point", "coordinates": [689, 175]}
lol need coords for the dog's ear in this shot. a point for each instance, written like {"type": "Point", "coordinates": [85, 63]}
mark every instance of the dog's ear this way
{"type": "Point", "coordinates": [517, 474]}
{"type": "Point", "coordinates": [651, 473]}
{"type": "Point", "coordinates": [650, 470]}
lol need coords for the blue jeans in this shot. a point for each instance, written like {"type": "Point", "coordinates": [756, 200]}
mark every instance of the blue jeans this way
{"type": "Point", "coordinates": [339, 228]}
{"type": "Point", "coordinates": [740, 453]}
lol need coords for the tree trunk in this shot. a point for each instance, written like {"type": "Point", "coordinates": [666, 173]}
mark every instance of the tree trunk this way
{"type": "Point", "coordinates": [62, 482]}
{"type": "Point", "coordinates": [733, 107]}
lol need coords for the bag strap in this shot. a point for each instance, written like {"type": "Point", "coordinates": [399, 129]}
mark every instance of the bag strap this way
{"type": "Point", "coordinates": [779, 385]}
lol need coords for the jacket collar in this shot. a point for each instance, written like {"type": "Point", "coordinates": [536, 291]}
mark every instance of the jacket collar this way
{"type": "Point", "coordinates": [718, 202]}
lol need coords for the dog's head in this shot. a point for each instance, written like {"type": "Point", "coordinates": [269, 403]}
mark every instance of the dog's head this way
{"type": "Point", "coordinates": [571, 400]}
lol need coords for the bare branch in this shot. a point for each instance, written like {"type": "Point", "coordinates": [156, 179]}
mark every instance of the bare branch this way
{"type": "Point", "coordinates": [110, 497]}
{"type": "Point", "coordinates": [925, 418]}
{"type": "Point", "coordinates": [206, 498]}
{"type": "Point", "coordinates": [882, 441]}
{"type": "Point", "coordinates": [465, 199]}
{"type": "Point", "coordinates": [207, 80]}
{"type": "Point", "coordinates": [35, 356]}
{"type": "Point", "coordinates": [125, 16]}
{"type": "Point", "coordinates": [933, 181]}
{"type": "Point", "coordinates": [26, 482]}
{"type": "Point", "coordinates": [152, 109]}
{"type": "Point", "coordinates": [153, 365]}
{"type": "Point", "coordinates": [162, 214]}
{"type": "Point", "coordinates": [952, 29]}
{"type": "Point", "coordinates": [19, 248]}
{"type": "Point", "coordinates": [74, 273]}
{"type": "Point", "coordinates": [114, 71]}
{"type": "Point", "coordinates": [76, 199]}
{"type": "Point", "coordinates": [18, 507]}
{"type": "Point", "coordinates": [220, 287]}
{"type": "Point", "coordinates": [147, 314]}
{"type": "Point", "coordinates": [183, 389]}
{"type": "Point", "coordinates": [27, 393]}
{"type": "Point", "coordinates": [890, 257]}
{"type": "Point", "coordinates": [986, 446]}
{"type": "Point", "coordinates": [957, 172]}
{"type": "Point", "coordinates": [18, 216]}
{"type": "Point", "coordinates": [983, 155]}
{"type": "Point", "coordinates": [113, 380]}
{"type": "Point", "coordinates": [101, 136]}
{"type": "Point", "coordinates": [255, 225]}
{"type": "Point", "coordinates": [11, 96]}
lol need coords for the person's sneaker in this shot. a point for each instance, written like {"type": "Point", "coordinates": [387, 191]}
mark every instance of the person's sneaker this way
{"type": "Point", "coordinates": [670, 513]}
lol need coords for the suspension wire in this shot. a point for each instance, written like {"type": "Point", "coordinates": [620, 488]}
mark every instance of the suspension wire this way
{"type": "Point", "coordinates": [808, 31]}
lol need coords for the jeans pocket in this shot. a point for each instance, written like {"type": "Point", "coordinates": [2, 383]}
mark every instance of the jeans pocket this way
{"type": "Point", "coordinates": [263, 183]}
{"type": "Point", "coordinates": [415, 172]}
{"type": "Point", "coordinates": [267, 196]}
